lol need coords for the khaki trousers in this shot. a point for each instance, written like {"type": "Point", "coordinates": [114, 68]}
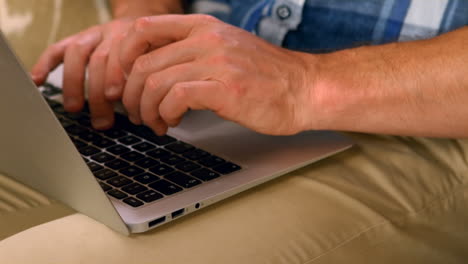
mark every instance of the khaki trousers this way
{"type": "Point", "coordinates": [387, 200]}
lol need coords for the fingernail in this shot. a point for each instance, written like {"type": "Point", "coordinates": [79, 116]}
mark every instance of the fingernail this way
{"type": "Point", "coordinates": [113, 91]}
{"type": "Point", "coordinates": [101, 123]}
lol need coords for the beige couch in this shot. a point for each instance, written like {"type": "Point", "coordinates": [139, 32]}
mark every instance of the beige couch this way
{"type": "Point", "coordinates": [387, 200]}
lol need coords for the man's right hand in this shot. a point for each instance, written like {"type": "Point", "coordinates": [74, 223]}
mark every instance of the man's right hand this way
{"type": "Point", "coordinates": [96, 48]}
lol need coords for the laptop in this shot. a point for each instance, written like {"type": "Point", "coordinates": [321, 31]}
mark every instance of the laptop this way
{"type": "Point", "coordinates": [127, 177]}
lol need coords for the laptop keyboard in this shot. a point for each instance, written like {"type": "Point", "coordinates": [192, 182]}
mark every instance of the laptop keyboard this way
{"type": "Point", "coordinates": [133, 164]}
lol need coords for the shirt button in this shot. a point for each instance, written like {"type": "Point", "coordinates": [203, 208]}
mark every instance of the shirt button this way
{"type": "Point", "coordinates": [283, 11]}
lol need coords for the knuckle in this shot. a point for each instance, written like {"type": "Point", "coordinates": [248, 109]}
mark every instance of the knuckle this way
{"type": "Point", "coordinates": [54, 48]}
{"type": "Point", "coordinates": [221, 58]}
{"type": "Point", "coordinates": [142, 64]}
{"type": "Point", "coordinates": [152, 83]}
{"type": "Point", "coordinates": [215, 37]}
{"type": "Point", "coordinates": [99, 56]}
{"type": "Point", "coordinates": [141, 24]}
{"type": "Point", "coordinates": [79, 46]}
{"type": "Point", "coordinates": [205, 19]}
{"type": "Point", "coordinates": [179, 91]}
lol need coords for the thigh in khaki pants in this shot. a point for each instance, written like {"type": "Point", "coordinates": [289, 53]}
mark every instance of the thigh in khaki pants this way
{"type": "Point", "coordinates": [388, 200]}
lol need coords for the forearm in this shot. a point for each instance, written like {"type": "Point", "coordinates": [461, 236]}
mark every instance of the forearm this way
{"type": "Point", "coordinates": [136, 8]}
{"type": "Point", "coordinates": [414, 88]}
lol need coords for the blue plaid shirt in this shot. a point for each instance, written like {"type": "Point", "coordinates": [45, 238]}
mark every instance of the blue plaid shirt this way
{"type": "Point", "coordinates": [327, 25]}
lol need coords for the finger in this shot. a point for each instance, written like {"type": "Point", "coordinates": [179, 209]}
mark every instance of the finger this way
{"type": "Point", "coordinates": [76, 58]}
{"type": "Point", "coordinates": [49, 60]}
{"type": "Point", "coordinates": [115, 79]}
{"type": "Point", "coordinates": [102, 110]}
{"type": "Point", "coordinates": [155, 32]}
{"type": "Point", "coordinates": [156, 88]}
{"type": "Point", "coordinates": [153, 62]}
{"type": "Point", "coordinates": [196, 95]}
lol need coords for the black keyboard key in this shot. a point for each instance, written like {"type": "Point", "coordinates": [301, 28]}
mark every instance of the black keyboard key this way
{"type": "Point", "coordinates": [117, 194]}
{"type": "Point", "coordinates": [102, 157]}
{"type": "Point", "coordinates": [115, 133]}
{"type": "Point", "coordinates": [227, 168]}
{"type": "Point", "coordinates": [88, 151]}
{"type": "Point", "coordinates": [129, 140]}
{"type": "Point", "coordinates": [182, 179]}
{"type": "Point", "coordinates": [179, 147]}
{"type": "Point", "coordinates": [59, 109]}
{"type": "Point", "coordinates": [89, 136]}
{"type": "Point", "coordinates": [165, 187]}
{"type": "Point", "coordinates": [105, 174]}
{"type": "Point", "coordinates": [50, 90]}
{"type": "Point", "coordinates": [172, 159]}
{"type": "Point", "coordinates": [132, 156]}
{"type": "Point", "coordinates": [105, 187]}
{"type": "Point", "coordinates": [144, 146]}
{"type": "Point", "coordinates": [79, 143]}
{"type": "Point", "coordinates": [52, 103]}
{"type": "Point", "coordinates": [148, 134]}
{"type": "Point", "coordinates": [103, 142]}
{"type": "Point", "coordinates": [158, 153]}
{"type": "Point", "coordinates": [205, 174]}
{"type": "Point", "coordinates": [75, 116]}
{"type": "Point", "coordinates": [161, 140]}
{"type": "Point", "coordinates": [196, 154]}
{"type": "Point", "coordinates": [65, 123]}
{"type": "Point", "coordinates": [211, 161]}
{"type": "Point", "coordinates": [134, 188]}
{"type": "Point", "coordinates": [149, 196]}
{"type": "Point", "coordinates": [146, 163]}
{"type": "Point", "coordinates": [119, 181]}
{"type": "Point", "coordinates": [161, 169]}
{"type": "Point", "coordinates": [122, 122]}
{"type": "Point", "coordinates": [187, 166]}
{"type": "Point", "coordinates": [85, 159]}
{"type": "Point", "coordinates": [146, 178]}
{"type": "Point", "coordinates": [93, 166]}
{"type": "Point", "coordinates": [132, 202]}
{"type": "Point", "coordinates": [84, 121]}
{"type": "Point", "coordinates": [118, 149]}
{"type": "Point", "coordinates": [131, 171]}
{"type": "Point", "coordinates": [117, 164]}
{"type": "Point", "coordinates": [76, 130]}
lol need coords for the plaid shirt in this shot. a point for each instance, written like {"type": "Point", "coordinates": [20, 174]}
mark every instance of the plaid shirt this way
{"type": "Point", "coordinates": [326, 25]}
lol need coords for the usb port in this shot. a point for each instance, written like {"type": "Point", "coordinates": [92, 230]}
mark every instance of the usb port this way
{"type": "Point", "coordinates": [157, 221]}
{"type": "Point", "coordinates": [177, 213]}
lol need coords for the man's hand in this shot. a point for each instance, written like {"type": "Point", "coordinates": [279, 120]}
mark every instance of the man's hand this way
{"type": "Point", "coordinates": [176, 63]}
{"type": "Point", "coordinates": [97, 48]}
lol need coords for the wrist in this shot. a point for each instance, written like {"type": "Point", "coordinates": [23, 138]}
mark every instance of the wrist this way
{"type": "Point", "coordinates": [332, 89]}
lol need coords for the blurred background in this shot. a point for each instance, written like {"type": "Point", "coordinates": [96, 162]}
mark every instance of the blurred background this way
{"type": "Point", "coordinates": [32, 25]}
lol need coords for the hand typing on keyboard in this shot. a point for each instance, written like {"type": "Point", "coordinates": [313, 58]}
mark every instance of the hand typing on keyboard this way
{"type": "Point", "coordinates": [175, 63]}
{"type": "Point", "coordinates": [136, 166]}
{"type": "Point", "coordinates": [97, 49]}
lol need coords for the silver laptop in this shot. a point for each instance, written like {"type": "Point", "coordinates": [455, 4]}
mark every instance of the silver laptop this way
{"type": "Point", "coordinates": [128, 178]}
